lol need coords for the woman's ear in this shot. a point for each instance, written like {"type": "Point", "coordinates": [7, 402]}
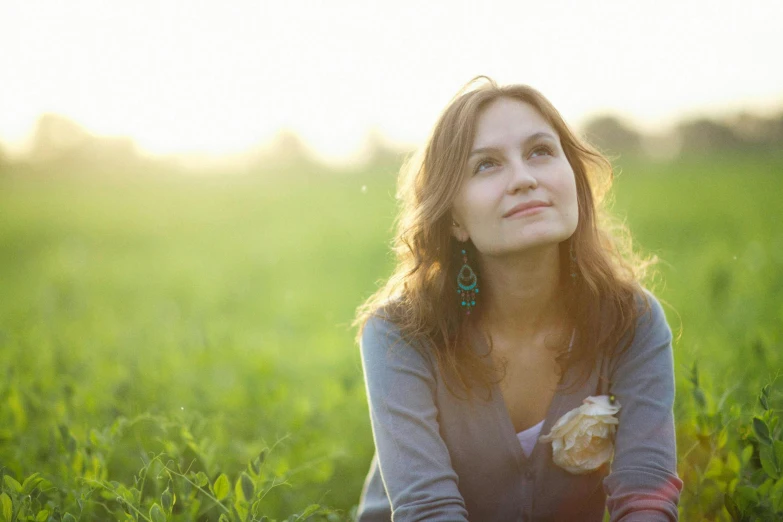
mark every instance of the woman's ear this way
{"type": "Point", "coordinates": [458, 231]}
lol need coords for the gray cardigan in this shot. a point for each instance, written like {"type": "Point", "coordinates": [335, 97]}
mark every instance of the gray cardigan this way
{"type": "Point", "coordinates": [442, 458]}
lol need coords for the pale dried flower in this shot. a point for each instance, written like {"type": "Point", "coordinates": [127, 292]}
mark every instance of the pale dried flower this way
{"type": "Point", "coordinates": [582, 439]}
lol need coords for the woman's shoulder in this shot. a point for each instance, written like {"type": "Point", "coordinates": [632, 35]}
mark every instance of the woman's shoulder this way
{"type": "Point", "coordinates": [651, 334]}
{"type": "Point", "coordinates": [380, 328]}
{"type": "Point", "coordinates": [651, 316]}
{"type": "Point", "coordinates": [384, 338]}
{"type": "Point", "coordinates": [382, 321]}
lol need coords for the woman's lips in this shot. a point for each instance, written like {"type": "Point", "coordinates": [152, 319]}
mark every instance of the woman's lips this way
{"type": "Point", "coordinates": [527, 210]}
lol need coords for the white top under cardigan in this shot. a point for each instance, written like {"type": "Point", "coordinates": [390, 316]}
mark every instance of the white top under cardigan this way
{"type": "Point", "coordinates": [529, 437]}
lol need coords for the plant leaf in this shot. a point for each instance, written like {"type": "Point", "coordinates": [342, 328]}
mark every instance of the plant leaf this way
{"type": "Point", "coordinates": [747, 453]}
{"type": "Point", "coordinates": [762, 431]}
{"type": "Point", "coordinates": [778, 447]}
{"type": "Point", "coordinates": [733, 463]}
{"type": "Point", "coordinates": [777, 495]}
{"type": "Point", "coordinates": [156, 513]}
{"type": "Point", "coordinates": [248, 488]}
{"type": "Point", "coordinates": [12, 483]}
{"type": "Point", "coordinates": [221, 488]}
{"type": "Point", "coordinates": [201, 479]}
{"type": "Point", "coordinates": [167, 500]}
{"type": "Point", "coordinates": [769, 462]}
{"type": "Point", "coordinates": [30, 483]}
{"type": "Point", "coordinates": [257, 462]}
{"type": "Point", "coordinates": [8, 507]}
{"type": "Point", "coordinates": [723, 437]}
{"type": "Point", "coordinates": [732, 508]}
{"type": "Point", "coordinates": [240, 508]}
{"type": "Point", "coordinates": [746, 497]}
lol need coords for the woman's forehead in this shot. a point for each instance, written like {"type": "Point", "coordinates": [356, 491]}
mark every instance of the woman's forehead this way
{"type": "Point", "coordinates": [509, 120]}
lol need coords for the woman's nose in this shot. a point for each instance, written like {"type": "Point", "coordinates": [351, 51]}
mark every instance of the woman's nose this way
{"type": "Point", "coordinates": [521, 177]}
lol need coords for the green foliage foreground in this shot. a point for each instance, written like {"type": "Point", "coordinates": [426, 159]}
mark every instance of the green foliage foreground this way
{"type": "Point", "coordinates": [181, 349]}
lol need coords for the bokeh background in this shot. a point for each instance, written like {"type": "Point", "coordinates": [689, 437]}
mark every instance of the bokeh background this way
{"type": "Point", "coordinates": [195, 197]}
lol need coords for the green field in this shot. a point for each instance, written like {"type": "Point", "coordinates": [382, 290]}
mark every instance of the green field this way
{"type": "Point", "coordinates": [203, 321]}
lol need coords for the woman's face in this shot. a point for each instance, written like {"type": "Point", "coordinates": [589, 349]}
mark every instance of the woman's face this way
{"type": "Point", "coordinates": [516, 159]}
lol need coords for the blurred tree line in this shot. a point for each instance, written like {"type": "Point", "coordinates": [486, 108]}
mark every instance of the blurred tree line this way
{"type": "Point", "coordinates": [60, 144]}
{"type": "Point", "coordinates": [743, 132]}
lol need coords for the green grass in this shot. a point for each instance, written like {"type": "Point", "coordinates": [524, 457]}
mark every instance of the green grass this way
{"type": "Point", "coordinates": [221, 307]}
{"type": "Point", "coordinates": [715, 224]}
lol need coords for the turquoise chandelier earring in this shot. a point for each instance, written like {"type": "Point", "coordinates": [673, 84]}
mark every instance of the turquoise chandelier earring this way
{"type": "Point", "coordinates": [467, 285]}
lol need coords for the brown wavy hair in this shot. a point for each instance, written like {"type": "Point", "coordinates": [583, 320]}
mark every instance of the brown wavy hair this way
{"type": "Point", "coordinates": [420, 298]}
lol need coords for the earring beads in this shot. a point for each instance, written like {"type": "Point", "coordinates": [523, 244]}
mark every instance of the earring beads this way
{"type": "Point", "coordinates": [467, 285]}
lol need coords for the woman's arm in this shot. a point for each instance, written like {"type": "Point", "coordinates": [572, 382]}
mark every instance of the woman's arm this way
{"type": "Point", "coordinates": [643, 483]}
{"type": "Point", "coordinates": [413, 458]}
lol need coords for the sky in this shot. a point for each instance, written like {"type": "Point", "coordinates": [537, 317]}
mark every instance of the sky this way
{"type": "Point", "coordinates": [220, 77]}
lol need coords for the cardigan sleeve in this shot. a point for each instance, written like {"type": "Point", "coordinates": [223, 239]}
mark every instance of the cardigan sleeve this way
{"type": "Point", "coordinates": [643, 482]}
{"type": "Point", "coordinates": [414, 461]}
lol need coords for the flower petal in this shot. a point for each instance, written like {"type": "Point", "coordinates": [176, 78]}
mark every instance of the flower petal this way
{"type": "Point", "coordinates": [582, 438]}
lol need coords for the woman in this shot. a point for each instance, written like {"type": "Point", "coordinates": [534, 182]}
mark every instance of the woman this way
{"type": "Point", "coordinates": [514, 350]}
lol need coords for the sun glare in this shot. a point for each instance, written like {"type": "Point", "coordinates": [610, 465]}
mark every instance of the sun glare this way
{"type": "Point", "coordinates": [212, 77]}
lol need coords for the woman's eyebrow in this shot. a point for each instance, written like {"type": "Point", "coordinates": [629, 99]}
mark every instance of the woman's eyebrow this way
{"type": "Point", "coordinates": [532, 137]}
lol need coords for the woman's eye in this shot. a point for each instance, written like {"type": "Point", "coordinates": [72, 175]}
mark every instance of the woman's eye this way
{"type": "Point", "coordinates": [483, 165]}
{"type": "Point", "coordinates": [542, 150]}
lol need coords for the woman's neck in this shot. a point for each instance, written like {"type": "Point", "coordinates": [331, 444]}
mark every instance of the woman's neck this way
{"type": "Point", "coordinates": [522, 293]}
